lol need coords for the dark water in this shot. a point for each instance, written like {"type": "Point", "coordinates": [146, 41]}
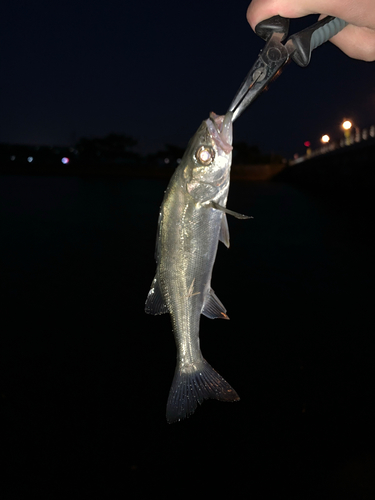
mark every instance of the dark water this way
{"type": "Point", "coordinates": [86, 374]}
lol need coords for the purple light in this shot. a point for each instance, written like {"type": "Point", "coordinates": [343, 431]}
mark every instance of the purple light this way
{"type": "Point", "coordinates": [65, 160]}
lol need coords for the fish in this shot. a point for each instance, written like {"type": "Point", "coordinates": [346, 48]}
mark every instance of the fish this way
{"type": "Point", "coordinates": [192, 221]}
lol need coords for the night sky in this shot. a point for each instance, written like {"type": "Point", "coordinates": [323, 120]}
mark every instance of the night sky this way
{"type": "Point", "coordinates": [154, 70]}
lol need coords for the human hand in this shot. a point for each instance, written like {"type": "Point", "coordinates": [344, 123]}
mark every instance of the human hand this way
{"type": "Point", "coordinates": [357, 39]}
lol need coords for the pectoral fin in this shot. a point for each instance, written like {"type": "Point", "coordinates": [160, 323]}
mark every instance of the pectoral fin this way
{"type": "Point", "coordinates": [215, 205]}
{"type": "Point", "coordinates": [213, 308]}
{"type": "Point", "coordinates": [155, 303]}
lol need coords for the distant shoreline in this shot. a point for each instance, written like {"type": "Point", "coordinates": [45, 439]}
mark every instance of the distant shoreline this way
{"type": "Point", "coordinates": [241, 172]}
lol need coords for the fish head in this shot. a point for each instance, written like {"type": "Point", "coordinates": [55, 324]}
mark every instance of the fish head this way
{"type": "Point", "coordinates": [208, 158]}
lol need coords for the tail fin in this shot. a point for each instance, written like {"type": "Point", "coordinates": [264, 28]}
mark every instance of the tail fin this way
{"type": "Point", "coordinates": [194, 386]}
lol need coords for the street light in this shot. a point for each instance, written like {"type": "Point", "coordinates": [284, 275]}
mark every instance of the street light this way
{"type": "Point", "coordinates": [347, 125]}
{"type": "Point", "coordinates": [325, 139]}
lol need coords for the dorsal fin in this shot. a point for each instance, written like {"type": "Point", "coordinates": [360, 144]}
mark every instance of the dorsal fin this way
{"type": "Point", "coordinates": [155, 303]}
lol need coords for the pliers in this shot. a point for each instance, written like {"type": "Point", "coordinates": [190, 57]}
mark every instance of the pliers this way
{"type": "Point", "coordinates": [274, 55]}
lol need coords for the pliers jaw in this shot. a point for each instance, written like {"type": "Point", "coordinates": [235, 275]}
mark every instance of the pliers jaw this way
{"type": "Point", "coordinates": [267, 67]}
{"type": "Point", "coordinates": [275, 54]}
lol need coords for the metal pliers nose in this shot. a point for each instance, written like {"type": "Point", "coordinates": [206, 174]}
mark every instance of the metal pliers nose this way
{"type": "Point", "coordinates": [275, 54]}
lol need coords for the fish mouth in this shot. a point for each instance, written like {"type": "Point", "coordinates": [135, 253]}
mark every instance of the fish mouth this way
{"type": "Point", "coordinates": [221, 130]}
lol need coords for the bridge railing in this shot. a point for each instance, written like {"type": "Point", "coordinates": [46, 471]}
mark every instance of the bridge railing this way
{"type": "Point", "coordinates": [358, 135]}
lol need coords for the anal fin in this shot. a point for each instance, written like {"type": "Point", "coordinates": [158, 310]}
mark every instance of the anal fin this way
{"type": "Point", "coordinates": [213, 308]}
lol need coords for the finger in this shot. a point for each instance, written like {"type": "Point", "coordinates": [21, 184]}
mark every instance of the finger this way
{"type": "Point", "coordinates": [356, 42]}
{"type": "Point", "coordinates": [259, 10]}
{"type": "Point", "coordinates": [353, 12]}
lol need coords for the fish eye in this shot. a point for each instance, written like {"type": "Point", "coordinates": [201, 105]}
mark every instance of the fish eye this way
{"type": "Point", "coordinates": [205, 155]}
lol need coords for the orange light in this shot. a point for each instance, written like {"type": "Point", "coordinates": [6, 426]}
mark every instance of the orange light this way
{"type": "Point", "coordinates": [347, 124]}
{"type": "Point", "coordinates": [325, 138]}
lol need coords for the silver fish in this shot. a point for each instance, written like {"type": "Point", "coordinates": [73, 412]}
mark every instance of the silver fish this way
{"type": "Point", "coordinates": [192, 220]}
